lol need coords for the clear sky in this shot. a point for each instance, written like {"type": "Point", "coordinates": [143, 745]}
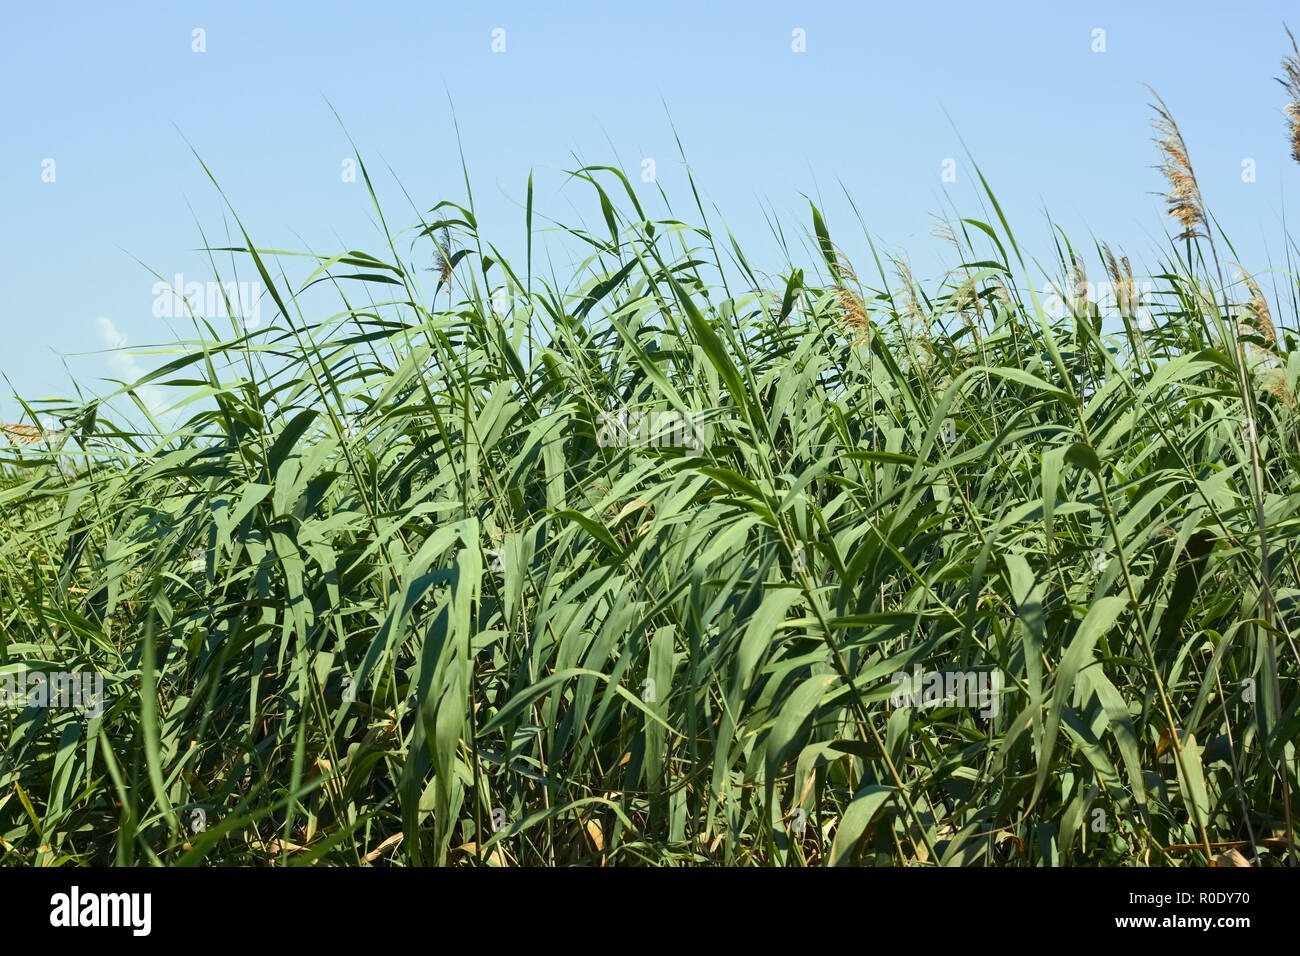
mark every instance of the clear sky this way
{"type": "Point", "coordinates": [878, 100]}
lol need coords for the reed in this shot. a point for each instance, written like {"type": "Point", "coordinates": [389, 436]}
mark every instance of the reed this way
{"type": "Point", "coordinates": [394, 592]}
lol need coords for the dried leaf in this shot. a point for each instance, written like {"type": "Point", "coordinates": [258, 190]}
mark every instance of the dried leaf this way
{"type": "Point", "coordinates": [1232, 858]}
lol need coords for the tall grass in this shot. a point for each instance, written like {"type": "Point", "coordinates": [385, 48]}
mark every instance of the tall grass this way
{"type": "Point", "coordinates": [389, 595]}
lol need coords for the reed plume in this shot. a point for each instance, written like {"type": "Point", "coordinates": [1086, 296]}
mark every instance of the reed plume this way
{"type": "Point", "coordinates": [1079, 290]}
{"type": "Point", "coordinates": [1291, 83]}
{"type": "Point", "coordinates": [1258, 316]}
{"type": "Point", "coordinates": [853, 311]}
{"type": "Point", "coordinates": [22, 434]}
{"type": "Point", "coordinates": [912, 306]}
{"type": "Point", "coordinates": [1121, 277]}
{"type": "Point", "coordinates": [29, 434]}
{"type": "Point", "coordinates": [1184, 196]}
{"type": "Point", "coordinates": [943, 230]}
{"type": "Point", "coordinates": [442, 256]}
{"type": "Point", "coordinates": [1001, 291]}
{"type": "Point", "coordinates": [846, 267]}
{"type": "Point", "coordinates": [964, 297]}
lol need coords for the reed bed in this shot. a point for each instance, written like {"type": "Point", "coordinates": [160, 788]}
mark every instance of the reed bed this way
{"type": "Point", "coordinates": [405, 586]}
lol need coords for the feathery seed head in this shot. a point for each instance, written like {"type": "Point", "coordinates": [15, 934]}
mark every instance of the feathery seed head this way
{"type": "Point", "coordinates": [1291, 83]}
{"type": "Point", "coordinates": [1257, 310]}
{"type": "Point", "coordinates": [29, 434]}
{"type": "Point", "coordinates": [943, 230]}
{"type": "Point", "coordinates": [1079, 288]}
{"type": "Point", "coordinates": [1003, 294]}
{"type": "Point", "coordinates": [442, 256]}
{"type": "Point", "coordinates": [1121, 277]}
{"type": "Point", "coordinates": [846, 267]}
{"type": "Point", "coordinates": [853, 313]}
{"type": "Point", "coordinates": [1184, 196]}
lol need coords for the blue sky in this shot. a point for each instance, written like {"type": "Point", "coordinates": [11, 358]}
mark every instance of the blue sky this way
{"type": "Point", "coordinates": [882, 95]}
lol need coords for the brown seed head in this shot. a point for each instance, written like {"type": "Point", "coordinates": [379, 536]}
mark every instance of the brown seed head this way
{"type": "Point", "coordinates": [1257, 311]}
{"type": "Point", "coordinates": [846, 267]}
{"type": "Point", "coordinates": [22, 434]}
{"type": "Point", "coordinates": [1184, 196]}
{"type": "Point", "coordinates": [912, 306]}
{"type": "Point", "coordinates": [1121, 276]}
{"type": "Point", "coordinates": [853, 313]}
{"type": "Point", "coordinates": [1290, 81]}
